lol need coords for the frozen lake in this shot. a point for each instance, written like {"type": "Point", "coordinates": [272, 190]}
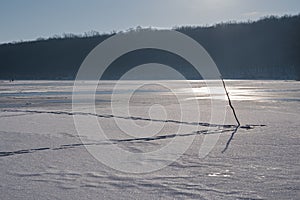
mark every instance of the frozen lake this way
{"type": "Point", "coordinates": [42, 156]}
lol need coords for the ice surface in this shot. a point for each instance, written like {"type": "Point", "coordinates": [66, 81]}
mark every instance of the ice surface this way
{"type": "Point", "coordinates": [42, 155]}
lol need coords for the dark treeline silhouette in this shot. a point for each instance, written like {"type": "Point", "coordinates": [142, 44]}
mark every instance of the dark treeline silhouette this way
{"type": "Point", "coordinates": [265, 49]}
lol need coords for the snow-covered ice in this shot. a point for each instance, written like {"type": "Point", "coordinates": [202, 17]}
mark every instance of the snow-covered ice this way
{"type": "Point", "coordinates": [42, 155]}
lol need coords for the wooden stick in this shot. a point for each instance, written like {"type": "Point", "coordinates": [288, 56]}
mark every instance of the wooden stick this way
{"type": "Point", "coordinates": [235, 116]}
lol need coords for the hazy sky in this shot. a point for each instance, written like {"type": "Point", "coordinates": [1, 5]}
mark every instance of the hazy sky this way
{"type": "Point", "coordinates": [30, 19]}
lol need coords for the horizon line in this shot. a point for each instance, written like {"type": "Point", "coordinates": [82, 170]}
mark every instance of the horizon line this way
{"type": "Point", "coordinates": [174, 27]}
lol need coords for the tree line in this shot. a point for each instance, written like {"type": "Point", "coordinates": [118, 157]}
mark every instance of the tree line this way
{"type": "Point", "coordinates": [265, 49]}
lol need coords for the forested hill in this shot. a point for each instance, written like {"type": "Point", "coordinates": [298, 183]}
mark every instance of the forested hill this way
{"type": "Point", "coordinates": [265, 49]}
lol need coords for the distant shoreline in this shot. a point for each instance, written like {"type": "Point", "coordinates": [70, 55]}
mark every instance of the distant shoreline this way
{"type": "Point", "coordinates": [267, 49]}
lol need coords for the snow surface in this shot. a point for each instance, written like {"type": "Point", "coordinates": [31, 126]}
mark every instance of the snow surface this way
{"type": "Point", "coordinates": [42, 156]}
